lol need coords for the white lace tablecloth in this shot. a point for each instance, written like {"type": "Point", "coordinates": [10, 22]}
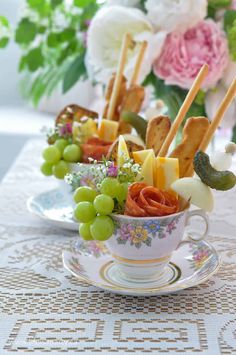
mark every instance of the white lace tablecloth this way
{"type": "Point", "coordinates": [46, 310]}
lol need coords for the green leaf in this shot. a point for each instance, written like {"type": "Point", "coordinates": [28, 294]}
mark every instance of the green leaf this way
{"type": "Point", "coordinates": [53, 40]}
{"type": "Point", "coordinates": [67, 35]}
{"type": "Point", "coordinates": [35, 59]}
{"type": "Point", "coordinates": [22, 64]}
{"type": "Point", "coordinates": [26, 31]}
{"type": "Point", "coordinates": [56, 3]}
{"type": "Point", "coordinates": [75, 72]}
{"type": "Point", "coordinates": [4, 42]}
{"type": "Point", "coordinates": [219, 4]}
{"type": "Point", "coordinates": [42, 7]}
{"type": "Point", "coordinates": [229, 18]}
{"type": "Point", "coordinates": [234, 135]}
{"type": "Point", "coordinates": [42, 29]}
{"type": "Point", "coordinates": [68, 51]}
{"type": "Point", "coordinates": [82, 3]}
{"type": "Point", "coordinates": [4, 22]}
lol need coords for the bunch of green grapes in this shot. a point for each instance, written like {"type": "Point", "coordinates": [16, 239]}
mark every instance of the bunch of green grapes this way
{"type": "Point", "coordinates": [93, 208]}
{"type": "Point", "coordinates": [57, 156]}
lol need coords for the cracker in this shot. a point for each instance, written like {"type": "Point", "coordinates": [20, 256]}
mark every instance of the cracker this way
{"type": "Point", "coordinates": [194, 130]}
{"type": "Point", "coordinates": [157, 130]}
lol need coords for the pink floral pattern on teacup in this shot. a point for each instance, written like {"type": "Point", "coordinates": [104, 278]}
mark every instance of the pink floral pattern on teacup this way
{"type": "Point", "coordinates": [200, 255]}
{"type": "Point", "coordinates": [138, 233]}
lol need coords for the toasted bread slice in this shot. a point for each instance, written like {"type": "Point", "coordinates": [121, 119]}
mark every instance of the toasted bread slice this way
{"type": "Point", "coordinates": [132, 102]}
{"type": "Point", "coordinates": [157, 130]}
{"type": "Point", "coordinates": [73, 113]}
{"type": "Point", "coordinates": [194, 130]}
{"type": "Point", "coordinates": [131, 145]}
{"type": "Point", "coordinates": [108, 94]}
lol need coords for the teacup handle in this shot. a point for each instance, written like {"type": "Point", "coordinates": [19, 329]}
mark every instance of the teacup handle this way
{"type": "Point", "coordinates": [204, 216]}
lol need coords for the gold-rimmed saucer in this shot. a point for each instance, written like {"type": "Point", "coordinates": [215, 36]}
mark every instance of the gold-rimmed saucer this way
{"type": "Point", "coordinates": [190, 265]}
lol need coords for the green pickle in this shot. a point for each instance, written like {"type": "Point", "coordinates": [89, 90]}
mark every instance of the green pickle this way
{"type": "Point", "coordinates": [218, 180]}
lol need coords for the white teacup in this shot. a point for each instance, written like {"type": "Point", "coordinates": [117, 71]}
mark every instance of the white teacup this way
{"type": "Point", "coordinates": [142, 247]}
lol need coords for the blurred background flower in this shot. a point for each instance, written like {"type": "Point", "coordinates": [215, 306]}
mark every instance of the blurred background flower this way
{"type": "Point", "coordinates": [175, 15]}
{"type": "Point", "coordinates": [104, 44]}
{"type": "Point", "coordinates": [185, 53]}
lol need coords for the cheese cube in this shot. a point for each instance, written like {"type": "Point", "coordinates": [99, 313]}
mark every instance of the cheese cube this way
{"type": "Point", "coordinates": [148, 169]}
{"type": "Point", "coordinates": [122, 153]}
{"type": "Point", "coordinates": [108, 130]}
{"type": "Point", "coordinates": [167, 171]}
{"type": "Point", "coordinates": [141, 155]}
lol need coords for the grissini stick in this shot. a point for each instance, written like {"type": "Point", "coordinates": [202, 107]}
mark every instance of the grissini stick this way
{"type": "Point", "coordinates": [121, 65]}
{"type": "Point", "coordinates": [219, 115]}
{"type": "Point", "coordinates": [216, 121]}
{"type": "Point", "coordinates": [138, 63]}
{"type": "Point", "coordinates": [184, 109]}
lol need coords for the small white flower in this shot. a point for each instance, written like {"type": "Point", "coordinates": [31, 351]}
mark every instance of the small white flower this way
{"type": "Point", "coordinates": [105, 36]}
{"type": "Point", "coordinates": [172, 15]}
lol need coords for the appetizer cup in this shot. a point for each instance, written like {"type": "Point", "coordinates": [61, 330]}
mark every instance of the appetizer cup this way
{"type": "Point", "coordinates": [142, 247]}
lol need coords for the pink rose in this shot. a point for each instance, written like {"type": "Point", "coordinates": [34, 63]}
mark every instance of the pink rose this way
{"type": "Point", "coordinates": [185, 53]}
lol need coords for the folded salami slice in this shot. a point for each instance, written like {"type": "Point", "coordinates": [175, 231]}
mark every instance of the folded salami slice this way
{"type": "Point", "coordinates": [144, 201]}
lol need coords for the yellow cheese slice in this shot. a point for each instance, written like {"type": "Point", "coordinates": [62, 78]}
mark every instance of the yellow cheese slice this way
{"type": "Point", "coordinates": [123, 153]}
{"type": "Point", "coordinates": [148, 169]}
{"type": "Point", "coordinates": [141, 155]}
{"type": "Point", "coordinates": [167, 171]}
{"type": "Point", "coordinates": [108, 130]}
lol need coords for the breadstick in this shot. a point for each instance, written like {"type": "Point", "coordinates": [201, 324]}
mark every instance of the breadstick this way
{"type": "Point", "coordinates": [219, 115]}
{"type": "Point", "coordinates": [184, 109]}
{"type": "Point", "coordinates": [118, 78]}
{"type": "Point", "coordinates": [138, 63]}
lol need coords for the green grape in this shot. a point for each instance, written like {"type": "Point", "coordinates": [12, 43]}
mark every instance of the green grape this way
{"type": "Point", "coordinates": [46, 169]}
{"type": "Point", "coordinates": [103, 204]}
{"type": "Point", "coordinates": [61, 144]}
{"type": "Point", "coordinates": [84, 230]}
{"type": "Point", "coordinates": [110, 186]}
{"type": "Point", "coordinates": [72, 153]}
{"type": "Point", "coordinates": [60, 169]}
{"type": "Point", "coordinates": [84, 193]}
{"type": "Point", "coordinates": [51, 154]}
{"type": "Point", "coordinates": [121, 197]}
{"type": "Point", "coordinates": [102, 228]}
{"type": "Point", "coordinates": [84, 212]}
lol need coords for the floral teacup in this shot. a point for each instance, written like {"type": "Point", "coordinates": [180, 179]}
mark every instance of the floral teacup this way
{"type": "Point", "coordinates": [142, 247]}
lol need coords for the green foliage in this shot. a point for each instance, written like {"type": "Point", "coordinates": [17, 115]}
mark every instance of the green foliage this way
{"type": "Point", "coordinates": [34, 59]}
{"type": "Point", "coordinates": [230, 28]}
{"type": "Point", "coordinates": [234, 135]}
{"type": "Point", "coordinates": [4, 33]}
{"type": "Point", "coordinates": [173, 97]}
{"type": "Point", "coordinates": [219, 4]}
{"type": "Point", "coordinates": [26, 31]}
{"type": "Point", "coordinates": [51, 38]}
{"type": "Point", "coordinates": [75, 72]}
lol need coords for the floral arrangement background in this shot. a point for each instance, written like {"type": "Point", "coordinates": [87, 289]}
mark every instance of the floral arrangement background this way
{"type": "Point", "coordinates": [66, 41]}
{"type": "Point", "coordinates": [182, 36]}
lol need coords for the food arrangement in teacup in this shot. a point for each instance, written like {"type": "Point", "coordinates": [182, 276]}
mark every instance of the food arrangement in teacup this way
{"type": "Point", "coordinates": [79, 136]}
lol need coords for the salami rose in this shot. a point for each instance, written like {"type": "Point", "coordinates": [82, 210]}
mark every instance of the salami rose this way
{"type": "Point", "coordinates": [145, 201]}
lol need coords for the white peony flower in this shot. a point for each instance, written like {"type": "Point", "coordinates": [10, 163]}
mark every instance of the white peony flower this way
{"type": "Point", "coordinates": [172, 15]}
{"type": "Point", "coordinates": [105, 36]}
{"type": "Point", "coordinates": [128, 3]}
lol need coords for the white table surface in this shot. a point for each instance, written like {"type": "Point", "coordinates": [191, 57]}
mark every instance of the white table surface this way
{"type": "Point", "coordinates": [46, 310]}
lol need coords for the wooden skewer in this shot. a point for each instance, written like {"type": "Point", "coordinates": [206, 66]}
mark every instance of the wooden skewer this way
{"type": "Point", "coordinates": [117, 83]}
{"type": "Point", "coordinates": [138, 63]}
{"type": "Point", "coordinates": [184, 109]}
{"type": "Point", "coordinates": [219, 115]}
